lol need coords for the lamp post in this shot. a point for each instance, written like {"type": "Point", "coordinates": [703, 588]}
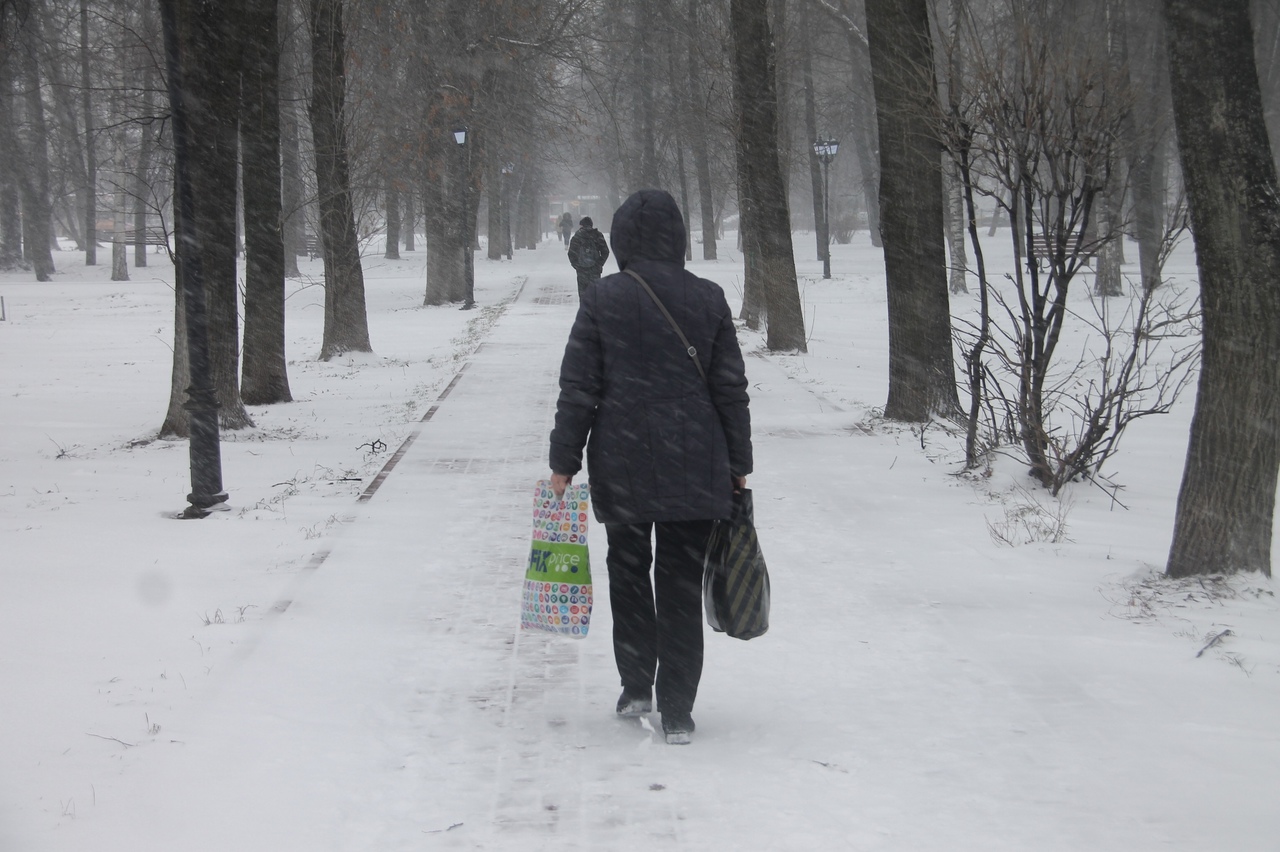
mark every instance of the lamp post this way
{"type": "Point", "coordinates": [826, 149]}
{"type": "Point", "coordinates": [460, 135]}
{"type": "Point", "coordinates": [508, 169]}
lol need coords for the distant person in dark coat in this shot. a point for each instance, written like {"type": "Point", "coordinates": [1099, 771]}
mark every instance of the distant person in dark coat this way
{"type": "Point", "coordinates": [587, 253]}
{"type": "Point", "coordinates": [665, 449]}
{"type": "Point", "coordinates": [566, 226]}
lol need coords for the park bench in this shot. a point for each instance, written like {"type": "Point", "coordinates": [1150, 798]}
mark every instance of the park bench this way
{"type": "Point", "coordinates": [313, 246]}
{"type": "Point", "coordinates": [1043, 247]}
{"type": "Point", "coordinates": [150, 237]}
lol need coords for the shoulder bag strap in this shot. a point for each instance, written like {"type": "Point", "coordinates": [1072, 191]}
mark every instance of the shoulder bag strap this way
{"type": "Point", "coordinates": [688, 347]}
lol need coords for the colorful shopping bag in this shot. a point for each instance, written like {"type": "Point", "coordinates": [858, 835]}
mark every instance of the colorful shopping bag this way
{"type": "Point", "coordinates": [557, 582]}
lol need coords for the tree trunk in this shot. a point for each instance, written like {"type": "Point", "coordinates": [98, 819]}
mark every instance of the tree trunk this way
{"type": "Point", "coordinates": [119, 216]}
{"type": "Point", "coordinates": [646, 77]}
{"type": "Point", "coordinates": [1109, 280]}
{"type": "Point", "coordinates": [90, 146]}
{"type": "Point", "coordinates": [955, 224]}
{"type": "Point", "coordinates": [1145, 129]}
{"type": "Point", "coordinates": [698, 143]}
{"type": "Point", "coordinates": [265, 377]}
{"type": "Point", "coordinates": [292, 191]}
{"type": "Point", "coordinates": [1227, 500]}
{"type": "Point", "coordinates": [493, 195]}
{"type": "Point", "coordinates": [346, 326]}
{"type": "Point", "coordinates": [209, 51]}
{"type": "Point", "coordinates": [821, 227]}
{"type": "Point", "coordinates": [10, 206]}
{"type": "Point", "coordinates": [441, 257]}
{"type": "Point", "coordinates": [864, 137]}
{"type": "Point", "coordinates": [392, 196]}
{"type": "Point", "coordinates": [410, 222]}
{"type": "Point", "coordinates": [177, 423]}
{"type": "Point", "coordinates": [37, 203]}
{"type": "Point", "coordinates": [142, 192]}
{"type": "Point", "coordinates": [756, 106]}
{"type": "Point", "coordinates": [753, 306]}
{"type": "Point", "coordinates": [952, 183]}
{"type": "Point", "coordinates": [921, 368]}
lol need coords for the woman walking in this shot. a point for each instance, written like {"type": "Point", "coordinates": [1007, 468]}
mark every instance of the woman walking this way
{"type": "Point", "coordinates": [667, 434]}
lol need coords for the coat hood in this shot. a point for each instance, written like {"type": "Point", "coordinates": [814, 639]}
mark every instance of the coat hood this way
{"type": "Point", "coordinates": [648, 226]}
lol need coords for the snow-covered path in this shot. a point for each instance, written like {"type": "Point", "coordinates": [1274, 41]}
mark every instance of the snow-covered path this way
{"type": "Point", "coordinates": [920, 689]}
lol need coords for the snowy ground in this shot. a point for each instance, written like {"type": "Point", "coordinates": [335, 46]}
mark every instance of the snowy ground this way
{"type": "Point", "coordinates": [307, 671]}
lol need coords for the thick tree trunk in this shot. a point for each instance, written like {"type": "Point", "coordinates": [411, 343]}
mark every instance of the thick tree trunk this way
{"type": "Point", "coordinates": [209, 53]}
{"type": "Point", "coordinates": [756, 105]}
{"type": "Point", "coordinates": [265, 378]}
{"type": "Point", "coordinates": [921, 368]}
{"type": "Point", "coordinates": [1109, 281]}
{"type": "Point", "coordinates": [346, 326]}
{"type": "Point", "coordinates": [37, 203]}
{"type": "Point", "coordinates": [1227, 500]}
{"type": "Point", "coordinates": [442, 260]}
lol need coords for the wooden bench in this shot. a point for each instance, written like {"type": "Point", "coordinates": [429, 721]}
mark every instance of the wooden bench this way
{"type": "Point", "coordinates": [1043, 248]}
{"type": "Point", "coordinates": [150, 237]}
{"type": "Point", "coordinates": [313, 246]}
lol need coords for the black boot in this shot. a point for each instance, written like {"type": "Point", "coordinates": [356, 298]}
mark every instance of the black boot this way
{"type": "Point", "coordinates": [678, 727]}
{"type": "Point", "coordinates": [632, 704]}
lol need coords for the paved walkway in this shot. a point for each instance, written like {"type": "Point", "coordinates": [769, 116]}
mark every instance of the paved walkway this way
{"type": "Point", "coordinates": [899, 701]}
{"type": "Point", "coordinates": [408, 627]}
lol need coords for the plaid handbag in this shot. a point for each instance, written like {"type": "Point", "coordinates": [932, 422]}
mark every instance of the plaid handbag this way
{"type": "Point", "coordinates": [735, 581]}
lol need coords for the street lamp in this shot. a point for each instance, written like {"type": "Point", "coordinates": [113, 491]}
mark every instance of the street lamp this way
{"type": "Point", "coordinates": [460, 135]}
{"type": "Point", "coordinates": [826, 149]}
{"type": "Point", "coordinates": [507, 170]}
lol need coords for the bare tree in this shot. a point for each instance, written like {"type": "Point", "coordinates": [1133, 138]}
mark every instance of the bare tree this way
{"type": "Point", "coordinates": [921, 367]}
{"type": "Point", "coordinates": [264, 377]}
{"type": "Point", "coordinates": [1226, 503]}
{"type": "Point", "coordinates": [33, 145]}
{"type": "Point", "coordinates": [210, 56]}
{"type": "Point", "coordinates": [761, 181]}
{"type": "Point", "coordinates": [346, 326]}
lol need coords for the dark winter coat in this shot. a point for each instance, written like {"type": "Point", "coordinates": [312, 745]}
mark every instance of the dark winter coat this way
{"type": "Point", "coordinates": [579, 242]}
{"type": "Point", "coordinates": [663, 444]}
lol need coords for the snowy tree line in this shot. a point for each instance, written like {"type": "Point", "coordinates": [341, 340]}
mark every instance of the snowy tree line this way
{"type": "Point", "coordinates": [1059, 127]}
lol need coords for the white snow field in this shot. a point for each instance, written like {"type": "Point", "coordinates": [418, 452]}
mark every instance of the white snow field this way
{"type": "Point", "coordinates": [309, 671]}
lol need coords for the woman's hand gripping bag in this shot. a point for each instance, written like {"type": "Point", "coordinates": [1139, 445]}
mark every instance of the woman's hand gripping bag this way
{"type": "Point", "coordinates": [557, 582]}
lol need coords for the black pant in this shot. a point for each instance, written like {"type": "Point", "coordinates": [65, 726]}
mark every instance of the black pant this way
{"type": "Point", "coordinates": [585, 277]}
{"type": "Point", "coordinates": [663, 639]}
